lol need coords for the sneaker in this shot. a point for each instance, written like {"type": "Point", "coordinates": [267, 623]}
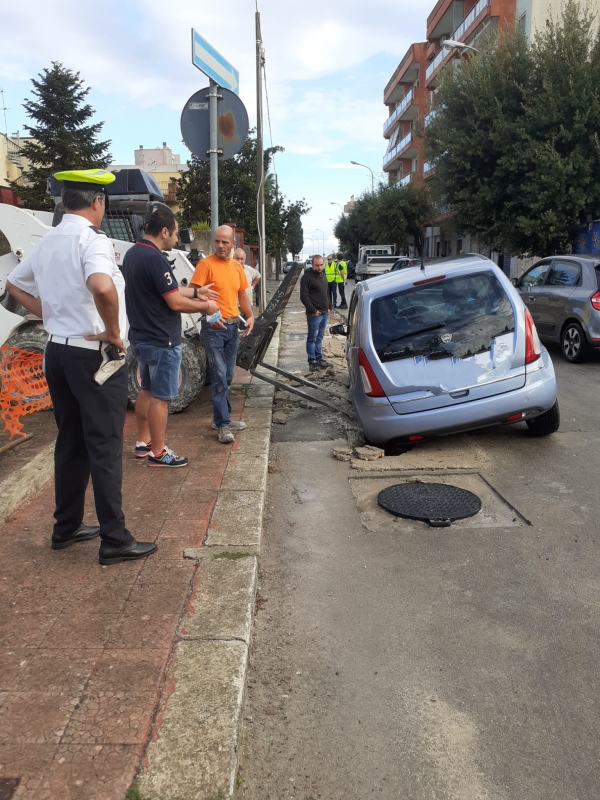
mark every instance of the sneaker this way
{"type": "Point", "coordinates": [313, 366]}
{"type": "Point", "coordinates": [234, 426]}
{"type": "Point", "coordinates": [322, 364]}
{"type": "Point", "coordinates": [166, 459]}
{"type": "Point", "coordinates": [226, 435]}
{"type": "Point", "coordinates": [142, 449]}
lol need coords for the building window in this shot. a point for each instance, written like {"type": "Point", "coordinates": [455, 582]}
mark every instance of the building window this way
{"type": "Point", "coordinates": [523, 22]}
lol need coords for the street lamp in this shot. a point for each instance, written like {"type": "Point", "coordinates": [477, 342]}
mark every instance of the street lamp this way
{"type": "Point", "coordinates": [458, 45]}
{"type": "Point", "coordinates": [356, 164]}
{"type": "Point", "coordinates": [323, 232]}
{"type": "Point", "coordinates": [337, 204]}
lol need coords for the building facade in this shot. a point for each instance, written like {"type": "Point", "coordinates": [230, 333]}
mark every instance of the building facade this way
{"type": "Point", "coordinates": [164, 166]}
{"type": "Point", "coordinates": [11, 167]}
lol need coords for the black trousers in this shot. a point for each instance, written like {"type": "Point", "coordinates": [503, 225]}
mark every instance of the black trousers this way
{"type": "Point", "coordinates": [90, 422]}
{"type": "Point", "coordinates": [342, 289]}
{"type": "Point", "coordinates": [332, 289]}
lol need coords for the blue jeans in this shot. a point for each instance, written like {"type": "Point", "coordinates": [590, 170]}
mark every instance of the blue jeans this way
{"type": "Point", "coordinates": [316, 332]}
{"type": "Point", "coordinates": [221, 352]}
{"type": "Point", "coordinates": [159, 369]}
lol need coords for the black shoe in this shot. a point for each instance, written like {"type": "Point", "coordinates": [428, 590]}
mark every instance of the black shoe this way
{"type": "Point", "coordinates": [82, 534]}
{"type": "Point", "coordinates": [129, 552]}
{"type": "Point", "coordinates": [344, 305]}
{"type": "Point", "coordinates": [313, 366]}
{"type": "Point", "coordinates": [322, 364]}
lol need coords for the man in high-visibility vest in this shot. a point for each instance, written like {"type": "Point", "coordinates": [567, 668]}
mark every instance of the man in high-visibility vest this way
{"type": "Point", "coordinates": [331, 276]}
{"type": "Point", "coordinates": [341, 278]}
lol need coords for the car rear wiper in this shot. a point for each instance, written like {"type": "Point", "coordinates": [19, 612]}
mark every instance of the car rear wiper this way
{"type": "Point", "coordinates": [416, 333]}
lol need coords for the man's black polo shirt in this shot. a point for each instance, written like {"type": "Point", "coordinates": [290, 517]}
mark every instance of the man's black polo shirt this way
{"type": "Point", "coordinates": [148, 278]}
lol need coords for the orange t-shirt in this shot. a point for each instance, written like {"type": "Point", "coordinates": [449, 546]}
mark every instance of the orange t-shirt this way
{"type": "Point", "coordinates": [228, 278]}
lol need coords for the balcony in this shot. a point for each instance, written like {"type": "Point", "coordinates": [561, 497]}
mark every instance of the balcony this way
{"type": "Point", "coordinates": [398, 113]}
{"type": "Point", "coordinates": [435, 64]}
{"type": "Point", "coordinates": [405, 180]}
{"type": "Point", "coordinates": [475, 12]}
{"type": "Point", "coordinates": [407, 72]}
{"type": "Point", "coordinates": [404, 149]}
{"type": "Point", "coordinates": [430, 116]}
{"type": "Point", "coordinates": [427, 167]}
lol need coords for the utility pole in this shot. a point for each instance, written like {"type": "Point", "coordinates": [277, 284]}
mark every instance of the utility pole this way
{"type": "Point", "coordinates": [260, 167]}
{"type": "Point", "coordinates": [213, 113]}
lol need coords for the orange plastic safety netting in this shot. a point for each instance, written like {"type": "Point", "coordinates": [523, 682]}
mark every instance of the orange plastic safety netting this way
{"type": "Point", "coordinates": [23, 387]}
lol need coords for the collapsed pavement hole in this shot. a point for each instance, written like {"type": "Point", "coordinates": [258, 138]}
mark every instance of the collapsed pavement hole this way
{"type": "Point", "coordinates": [7, 787]}
{"type": "Point", "coordinates": [435, 503]}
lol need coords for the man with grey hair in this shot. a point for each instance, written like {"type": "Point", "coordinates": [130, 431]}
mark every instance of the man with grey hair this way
{"type": "Point", "coordinates": [71, 281]}
{"type": "Point", "coordinates": [252, 275]}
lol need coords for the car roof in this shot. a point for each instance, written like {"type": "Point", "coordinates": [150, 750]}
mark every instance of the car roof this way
{"type": "Point", "coordinates": [400, 279]}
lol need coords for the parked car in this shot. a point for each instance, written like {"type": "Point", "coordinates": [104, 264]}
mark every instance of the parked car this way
{"type": "Point", "coordinates": [287, 267]}
{"type": "Point", "coordinates": [351, 265]}
{"type": "Point", "coordinates": [446, 349]}
{"type": "Point", "coordinates": [563, 296]}
{"type": "Point", "coordinates": [404, 262]}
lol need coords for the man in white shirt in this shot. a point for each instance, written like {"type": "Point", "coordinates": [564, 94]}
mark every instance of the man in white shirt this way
{"type": "Point", "coordinates": [252, 275]}
{"type": "Point", "coordinates": [72, 282]}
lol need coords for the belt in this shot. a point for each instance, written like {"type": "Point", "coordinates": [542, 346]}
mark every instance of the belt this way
{"type": "Point", "coordinates": [75, 341]}
{"type": "Point", "coordinates": [230, 320]}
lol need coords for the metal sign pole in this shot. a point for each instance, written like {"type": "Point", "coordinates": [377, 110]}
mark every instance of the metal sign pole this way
{"type": "Point", "coordinates": [213, 100]}
{"type": "Point", "coordinates": [260, 169]}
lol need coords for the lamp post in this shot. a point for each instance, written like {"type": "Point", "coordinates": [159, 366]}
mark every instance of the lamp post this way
{"type": "Point", "coordinates": [323, 232]}
{"type": "Point", "coordinates": [337, 204]}
{"type": "Point", "coordinates": [458, 45]}
{"type": "Point", "coordinates": [356, 164]}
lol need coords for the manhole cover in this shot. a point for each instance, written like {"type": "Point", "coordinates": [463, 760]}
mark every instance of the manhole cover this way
{"type": "Point", "coordinates": [435, 503]}
{"type": "Point", "coordinates": [7, 787]}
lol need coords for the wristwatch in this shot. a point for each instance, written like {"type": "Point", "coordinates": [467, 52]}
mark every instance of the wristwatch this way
{"type": "Point", "coordinates": [195, 292]}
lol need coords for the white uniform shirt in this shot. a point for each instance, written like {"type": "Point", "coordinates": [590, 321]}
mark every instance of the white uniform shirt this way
{"type": "Point", "coordinates": [251, 275]}
{"type": "Point", "coordinates": [56, 271]}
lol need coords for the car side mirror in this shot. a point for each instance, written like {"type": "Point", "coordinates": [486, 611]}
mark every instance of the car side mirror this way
{"type": "Point", "coordinates": [338, 330]}
{"type": "Point", "coordinates": [515, 281]}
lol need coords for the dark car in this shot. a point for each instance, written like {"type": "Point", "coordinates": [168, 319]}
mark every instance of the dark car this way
{"type": "Point", "coordinates": [351, 265]}
{"type": "Point", "coordinates": [563, 296]}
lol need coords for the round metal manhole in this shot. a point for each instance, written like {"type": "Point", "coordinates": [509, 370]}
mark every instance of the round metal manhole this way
{"type": "Point", "coordinates": [435, 503]}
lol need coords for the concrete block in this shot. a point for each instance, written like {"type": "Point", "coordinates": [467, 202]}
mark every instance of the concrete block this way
{"type": "Point", "coordinates": [193, 754]}
{"type": "Point", "coordinates": [237, 519]}
{"type": "Point", "coordinates": [258, 402]}
{"type": "Point", "coordinates": [26, 482]}
{"type": "Point", "coordinates": [257, 417]}
{"type": "Point", "coordinates": [222, 606]}
{"type": "Point", "coordinates": [260, 389]}
{"type": "Point", "coordinates": [246, 472]}
{"type": "Point", "coordinates": [253, 440]}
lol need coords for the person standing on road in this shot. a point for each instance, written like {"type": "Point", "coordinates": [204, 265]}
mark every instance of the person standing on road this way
{"type": "Point", "coordinates": [331, 277]}
{"type": "Point", "coordinates": [71, 281]}
{"type": "Point", "coordinates": [252, 275]}
{"type": "Point", "coordinates": [315, 298]}
{"type": "Point", "coordinates": [154, 305]}
{"type": "Point", "coordinates": [341, 277]}
{"type": "Point", "coordinates": [220, 339]}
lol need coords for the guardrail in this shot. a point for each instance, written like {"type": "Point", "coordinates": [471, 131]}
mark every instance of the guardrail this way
{"type": "Point", "coordinates": [408, 97]}
{"type": "Point", "coordinates": [389, 156]}
{"type": "Point", "coordinates": [464, 26]}
{"type": "Point", "coordinates": [405, 180]}
{"type": "Point", "coordinates": [436, 63]}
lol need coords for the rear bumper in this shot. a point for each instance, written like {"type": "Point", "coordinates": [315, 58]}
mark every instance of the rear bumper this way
{"type": "Point", "coordinates": [381, 424]}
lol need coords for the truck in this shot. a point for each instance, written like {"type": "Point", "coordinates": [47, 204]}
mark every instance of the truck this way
{"type": "Point", "coordinates": [132, 197]}
{"type": "Point", "coordinates": [374, 259]}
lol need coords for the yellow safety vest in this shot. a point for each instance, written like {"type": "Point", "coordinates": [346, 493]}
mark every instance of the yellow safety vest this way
{"type": "Point", "coordinates": [330, 271]}
{"type": "Point", "coordinates": [342, 271]}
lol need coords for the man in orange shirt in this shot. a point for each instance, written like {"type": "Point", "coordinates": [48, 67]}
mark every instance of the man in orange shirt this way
{"type": "Point", "coordinates": [220, 339]}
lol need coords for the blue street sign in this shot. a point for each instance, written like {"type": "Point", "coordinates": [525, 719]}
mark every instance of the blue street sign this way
{"type": "Point", "coordinates": [211, 63]}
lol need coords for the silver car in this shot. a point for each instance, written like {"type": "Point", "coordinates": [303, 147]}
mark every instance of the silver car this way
{"type": "Point", "coordinates": [445, 349]}
{"type": "Point", "coordinates": [563, 295]}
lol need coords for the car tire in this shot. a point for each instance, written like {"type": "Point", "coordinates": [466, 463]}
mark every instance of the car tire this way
{"type": "Point", "coordinates": [546, 423]}
{"type": "Point", "coordinates": [192, 376]}
{"type": "Point", "coordinates": [32, 338]}
{"type": "Point", "coordinates": [573, 343]}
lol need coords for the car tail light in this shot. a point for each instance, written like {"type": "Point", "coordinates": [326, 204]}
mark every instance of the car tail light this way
{"type": "Point", "coordinates": [370, 383]}
{"type": "Point", "coordinates": [515, 417]}
{"type": "Point", "coordinates": [415, 438]}
{"type": "Point", "coordinates": [596, 301]}
{"type": "Point", "coordinates": [533, 348]}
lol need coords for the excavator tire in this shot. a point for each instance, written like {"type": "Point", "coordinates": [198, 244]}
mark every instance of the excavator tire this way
{"type": "Point", "coordinates": [191, 377]}
{"type": "Point", "coordinates": [32, 338]}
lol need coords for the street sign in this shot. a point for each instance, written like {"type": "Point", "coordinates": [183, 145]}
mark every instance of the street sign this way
{"type": "Point", "coordinates": [232, 124]}
{"type": "Point", "coordinates": [213, 65]}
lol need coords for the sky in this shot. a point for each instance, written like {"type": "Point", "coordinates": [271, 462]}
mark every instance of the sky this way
{"type": "Point", "coordinates": [327, 63]}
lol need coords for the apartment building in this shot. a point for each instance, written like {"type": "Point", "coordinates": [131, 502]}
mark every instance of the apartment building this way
{"type": "Point", "coordinates": [11, 167]}
{"type": "Point", "coordinates": [163, 165]}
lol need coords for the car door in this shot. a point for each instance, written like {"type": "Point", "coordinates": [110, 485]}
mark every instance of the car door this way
{"type": "Point", "coordinates": [351, 342]}
{"type": "Point", "coordinates": [529, 287]}
{"type": "Point", "coordinates": [561, 282]}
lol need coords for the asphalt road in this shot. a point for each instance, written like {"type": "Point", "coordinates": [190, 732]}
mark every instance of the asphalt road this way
{"type": "Point", "coordinates": [397, 661]}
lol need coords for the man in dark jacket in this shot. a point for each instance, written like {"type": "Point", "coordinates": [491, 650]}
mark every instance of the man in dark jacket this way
{"type": "Point", "coordinates": [315, 299]}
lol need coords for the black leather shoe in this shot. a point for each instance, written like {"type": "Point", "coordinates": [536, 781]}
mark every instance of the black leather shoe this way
{"type": "Point", "coordinates": [129, 552]}
{"type": "Point", "coordinates": [82, 534]}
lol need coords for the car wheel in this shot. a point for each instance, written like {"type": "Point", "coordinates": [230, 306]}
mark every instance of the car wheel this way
{"type": "Point", "coordinates": [32, 339]}
{"type": "Point", "coordinates": [192, 376]}
{"type": "Point", "coordinates": [573, 342]}
{"type": "Point", "coordinates": [545, 423]}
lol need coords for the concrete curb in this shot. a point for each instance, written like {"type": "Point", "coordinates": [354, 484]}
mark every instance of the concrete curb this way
{"type": "Point", "coordinates": [193, 754]}
{"type": "Point", "coordinates": [26, 482]}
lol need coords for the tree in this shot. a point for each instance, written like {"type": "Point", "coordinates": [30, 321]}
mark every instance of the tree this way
{"type": "Point", "coordinates": [390, 215]}
{"type": "Point", "coordinates": [61, 135]}
{"type": "Point", "coordinates": [515, 141]}
{"type": "Point", "coordinates": [294, 233]}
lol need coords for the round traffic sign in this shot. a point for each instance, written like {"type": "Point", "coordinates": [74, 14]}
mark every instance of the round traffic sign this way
{"type": "Point", "coordinates": [232, 124]}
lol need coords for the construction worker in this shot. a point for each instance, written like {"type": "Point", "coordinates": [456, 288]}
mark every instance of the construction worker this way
{"type": "Point", "coordinates": [341, 278]}
{"type": "Point", "coordinates": [71, 281]}
{"type": "Point", "coordinates": [331, 277]}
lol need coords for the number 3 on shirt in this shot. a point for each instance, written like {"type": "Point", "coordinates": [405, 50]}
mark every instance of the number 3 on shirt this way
{"type": "Point", "coordinates": [169, 278]}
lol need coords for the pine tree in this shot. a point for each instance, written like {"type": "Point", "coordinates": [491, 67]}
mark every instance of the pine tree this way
{"type": "Point", "coordinates": [61, 136]}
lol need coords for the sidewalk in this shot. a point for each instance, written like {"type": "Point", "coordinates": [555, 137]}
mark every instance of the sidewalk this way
{"type": "Point", "coordinates": [87, 652]}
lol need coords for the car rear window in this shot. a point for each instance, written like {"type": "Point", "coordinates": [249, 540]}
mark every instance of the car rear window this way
{"type": "Point", "coordinates": [454, 317]}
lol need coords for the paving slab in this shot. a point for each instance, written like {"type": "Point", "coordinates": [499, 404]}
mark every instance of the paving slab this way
{"type": "Point", "coordinates": [26, 482]}
{"type": "Point", "coordinates": [257, 417]}
{"type": "Point", "coordinates": [246, 471]}
{"type": "Point", "coordinates": [253, 440]}
{"type": "Point", "coordinates": [194, 754]}
{"type": "Point", "coordinates": [237, 519]}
